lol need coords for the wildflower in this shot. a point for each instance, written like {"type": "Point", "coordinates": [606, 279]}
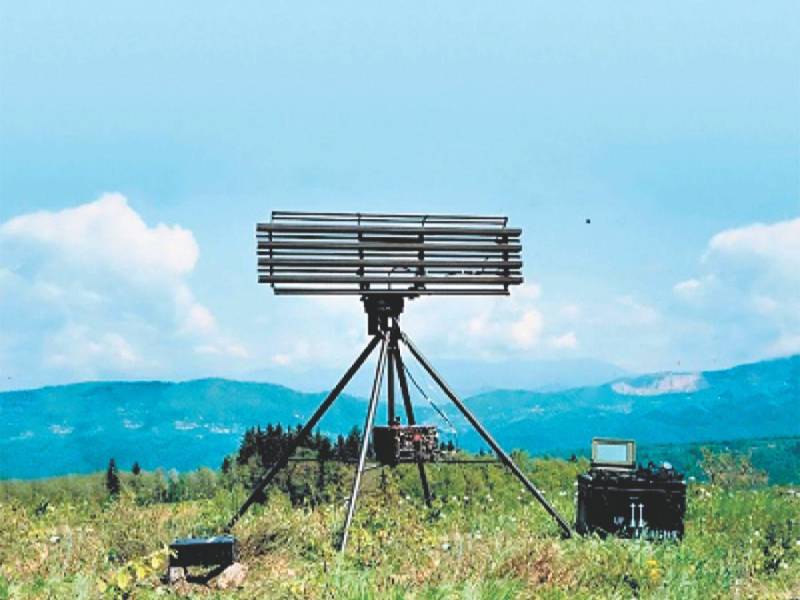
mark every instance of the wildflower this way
{"type": "Point", "coordinates": [652, 563]}
{"type": "Point", "coordinates": [445, 546]}
{"type": "Point", "coordinates": [156, 562]}
{"type": "Point", "coordinates": [123, 580]}
{"type": "Point", "coordinates": [655, 575]}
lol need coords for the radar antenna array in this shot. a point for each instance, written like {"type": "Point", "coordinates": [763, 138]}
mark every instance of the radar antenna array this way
{"type": "Point", "coordinates": [386, 259]}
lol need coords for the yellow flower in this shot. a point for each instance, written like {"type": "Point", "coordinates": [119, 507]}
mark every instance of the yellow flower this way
{"type": "Point", "coordinates": [652, 563]}
{"type": "Point", "coordinates": [157, 562]}
{"type": "Point", "coordinates": [140, 570]}
{"type": "Point", "coordinates": [101, 586]}
{"type": "Point", "coordinates": [123, 579]}
{"type": "Point", "coordinates": [655, 575]}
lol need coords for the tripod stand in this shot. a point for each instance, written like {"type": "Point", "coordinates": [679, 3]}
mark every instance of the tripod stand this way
{"type": "Point", "coordinates": [383, 312]}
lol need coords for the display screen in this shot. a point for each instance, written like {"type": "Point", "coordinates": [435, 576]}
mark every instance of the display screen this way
{"type": "Point", "coordinates": [612, 453]}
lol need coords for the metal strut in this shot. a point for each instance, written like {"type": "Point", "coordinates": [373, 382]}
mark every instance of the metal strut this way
{"type": "Point", "coordinates": [362, 457]}
{"type": "Point", "coordinates": [501, 454]}
{"type": "Point", "coordinates": [401, 376]}
{"type": "Point", "coordinates": [258, 490]}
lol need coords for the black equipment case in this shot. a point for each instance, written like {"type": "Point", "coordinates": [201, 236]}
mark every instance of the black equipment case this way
{"type": "Point", "coordinates": [218, 550]}
{"type": "Point", "coordinates": [626, 501]}
{"type": "Point", "coordinates": [403, 444]}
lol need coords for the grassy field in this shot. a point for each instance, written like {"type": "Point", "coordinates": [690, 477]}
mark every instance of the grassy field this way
{"type": "Point", "coordinates": [484, 538]}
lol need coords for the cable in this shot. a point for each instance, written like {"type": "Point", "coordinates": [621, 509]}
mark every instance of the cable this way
{"type": "Point", "coordinates": [432, 403]}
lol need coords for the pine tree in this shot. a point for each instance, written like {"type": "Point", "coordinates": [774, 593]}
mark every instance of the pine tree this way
{"type": "Point", "coordinates": [352, 444]}
{"type": "Point", "coordinates": [113, 484]}
{"type": "Point", "coordinates": [136, 469]}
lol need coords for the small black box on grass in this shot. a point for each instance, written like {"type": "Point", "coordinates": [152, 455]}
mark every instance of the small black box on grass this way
{"type": "Point", "coordinates": [616, 497]}
{"type": "Point", "coordinates": [189, 552]}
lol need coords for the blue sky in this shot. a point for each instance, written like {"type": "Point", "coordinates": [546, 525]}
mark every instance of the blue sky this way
{"type": "Point", "coordinates": [675, 128]}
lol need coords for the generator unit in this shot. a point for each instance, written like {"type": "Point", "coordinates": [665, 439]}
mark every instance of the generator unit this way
{"type": "Point", "coordinates": [405, 444]}
{"type": "Point", "coordinates": [618, 497]}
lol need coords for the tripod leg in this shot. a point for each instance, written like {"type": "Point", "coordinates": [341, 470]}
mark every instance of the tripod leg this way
{"type": "Point", "coordinates": [504, 458]}
{"type": "Point", "coordinates": [284, 458]}
{"type": "Point", "coordinates": [373, 404]}
{"type": "Point", "coordinates": [390, 383]}
{"type": "Point", "coordinates": [401, 376]}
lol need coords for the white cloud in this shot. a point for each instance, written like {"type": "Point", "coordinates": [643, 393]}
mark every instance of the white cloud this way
{"type": "Point", "coordinates": [198, 319]}
{"type": "Point", "coordinates": [328, 332]}
{"type": "Point", "coordinates": [526, 330]}
{"type": "Point", "coordinates": [95, 291]}
{"type": "Point", "coordinates": [749, 290]}
{"type": "Point", "coordinates": [107, 234]}
{"type": "Point", "coordinates": [76, 346]}
{"type": "Point", "coordinates": [687, 289]}
{"type": "Point", "coordinates": [775, 247]}
{"type": "Point", "coordinates": [566, 341]}
{"type": "Point", "coordinates": [488, 327]}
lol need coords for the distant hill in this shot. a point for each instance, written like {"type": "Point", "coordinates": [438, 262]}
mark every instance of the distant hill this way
{"type": "Point", "coordinates": [749, 401]}
{"type": "Point", "coordinates": [76, 428]}
{"type": "Point", "coordinates": [469, 377]}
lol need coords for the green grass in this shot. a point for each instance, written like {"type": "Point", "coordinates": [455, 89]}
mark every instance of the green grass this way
{"type": "Point", "coordinates": [484, 538]}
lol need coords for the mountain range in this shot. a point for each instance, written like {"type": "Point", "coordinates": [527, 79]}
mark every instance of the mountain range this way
{"type": "Point", "coordinates": [183, 425]}
{"type": "Point", "coordinates": [469, 377]}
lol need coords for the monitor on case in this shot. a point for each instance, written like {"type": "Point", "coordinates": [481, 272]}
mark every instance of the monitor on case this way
{"type": "Point", "coordinates": [613, 453]}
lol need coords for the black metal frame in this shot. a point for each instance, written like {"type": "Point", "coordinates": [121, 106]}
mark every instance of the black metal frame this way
{"type": "Point", "coordinates": [407, 255]}
{"type": "Point", "coordinates": [383, 316]}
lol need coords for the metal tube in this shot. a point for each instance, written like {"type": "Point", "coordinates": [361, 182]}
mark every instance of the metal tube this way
{"type": "Point", "coordinates": [284, 458]}
{"type": "Point", "coordinates": [401, 375]}
{"type": "Point", "coordinates": [361, 279]}
{"type": "Point", "coordinates": [384, 229]}
{"type": "Point", "coordinates": [505, 458]}
{"type": "Point", "coordinates": [373, 403]}
{"type": "Point", "coordinates": [390, 382]}
{"type": "Point", "coordinates": [396, 262]}
{"type": "Point", "coordinates": [293, 215]}
{"type": "Point", "coordinates": [401, 246]}
{"type": "Point", "coordinates": [396, 292]}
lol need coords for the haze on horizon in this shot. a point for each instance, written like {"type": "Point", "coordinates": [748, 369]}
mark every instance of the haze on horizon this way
{"type": "Point", "coordinates": [140, 144]}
